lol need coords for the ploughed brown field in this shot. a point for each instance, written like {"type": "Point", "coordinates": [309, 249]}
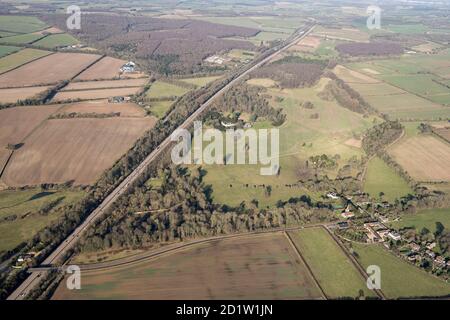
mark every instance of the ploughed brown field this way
{"type": "Point", "coordinates": [17, 123]}
{"type": "Point", "coordinates": [425, 158]}
{"type": "Point", "coordinates": [351, 76]}
{"type": "Point", "coordinates": [15, 94]}
{"type": "Point", "coordinates": [48, 70]}
{"type": "Point", "coordinates": [106, 68]}
{"type": "Point", "coordinates": [87, 85]}
{"type": "Point", "coordinates": [253, 267]}
{"type": "Point", "coordinates": [307, 44]}
{"type": "Point", "coordinates": [76, 150]}
{"type": "Point", "coordinates": [443, 133]}
{"type": "Point", "coordinates": [104, 107]}
{"type": "Point", "coordinates": [95, 94]}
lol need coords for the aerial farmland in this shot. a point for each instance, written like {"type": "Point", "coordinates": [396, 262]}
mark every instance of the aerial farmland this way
{"type": "Point", "coordinates": [103, 164]}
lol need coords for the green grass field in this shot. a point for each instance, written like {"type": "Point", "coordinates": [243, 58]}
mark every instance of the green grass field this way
{"type": "Point", "coordinates": [160, 108]}
{"type": "Point", "coordinates": [424, 218]}
{"type": "Point", "coordinates": [5, 50]}
{"type": "Point", "coordinates": [24, 204]}
{"type": "Point", "coordinates": [56, 40]}
{"type": "Point", "coordinates": [200, 81]}
{"type": "Point", "coordinates": [21, 24]}
{"type": "Point", "coordinates": [381, 178]}
{"type": "Point", "coordinates": [333, 270]}
{"type": "Point", "coordinates": [399, 103]}
{"type": "Point", "coordinates": [398, 277]}
{"type": "Point", "coordinates": [268, 36]}
{"type": "Point", "coordinates": [22, 38]}
{"type": "Point", "coordinates": [19, 58]}
{"type": "Point", "coordinates": [300, 138]}
{"type": "Point", "coordinates": [163, 89]}
{"type": "Point", "coordinates": [6, 34]}
{"type": "Point", "coordinates": [407, 28]}
{"type": "Point", "coordinates": [421, 84]}
{"type": "Point", "coordinates": [415, 74]}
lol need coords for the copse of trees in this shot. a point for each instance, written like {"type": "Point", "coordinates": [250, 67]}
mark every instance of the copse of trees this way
{"type": "Point", "coordinates": [345, 96]}
{"type": "Point", "coordinates": [182, 208]}
{"type": "Point", "coordinates": [293, 72]}
{"type": "Point", "coordinates": [249, 99]}
{"type": "Point", "coordinates": [380, 136]}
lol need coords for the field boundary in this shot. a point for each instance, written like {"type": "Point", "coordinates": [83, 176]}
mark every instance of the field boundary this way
{"type": "Point", "coordinates": [395, 86]}
{"type": "Point", "coordinates": [27, 136]}
{"type": "Point", "coordinates": [355, 262]}
{"type": "Point", "coordinates": [297, 250]}
{"type": "Point", "coordinates": [6, 163]}
{"type": "Point", "coordinates": [24, 64]}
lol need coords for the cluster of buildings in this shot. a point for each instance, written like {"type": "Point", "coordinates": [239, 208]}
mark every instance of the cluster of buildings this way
{"type": "Point", "coordinates": [24, 259]}
{"type": "Point", "coordinates": [128, 67]}
{"type": "Point", "coordinates": [216, 60]}
{"type": "Point", "coordinates": [419, 252]}
{"type": "Point", "coordinates": [119, 99]}
{"type": "Point", "coordinates": [423, 251]}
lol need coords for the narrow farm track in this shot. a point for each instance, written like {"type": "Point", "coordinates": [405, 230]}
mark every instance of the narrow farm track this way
{"type": "Point", "coordinates": [34, 279]}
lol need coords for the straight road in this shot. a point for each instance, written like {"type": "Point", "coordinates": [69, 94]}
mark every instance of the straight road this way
{"type": "Point", "coordinates": [31, 282]}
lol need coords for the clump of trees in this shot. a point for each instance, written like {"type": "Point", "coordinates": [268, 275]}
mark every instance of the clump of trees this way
{"type": "Point", "coordinates": [249, 99]}
{"type": "Point", "coordinates": [165, 46]}
{"type": "Point", "coordinates": [380, 136]}
{"type": "Point", "coordinates": [345, 96]}
{"type": "Point", "coordinates": [293, 72]}
{"type": "Point", "coordinates": [183, 208]}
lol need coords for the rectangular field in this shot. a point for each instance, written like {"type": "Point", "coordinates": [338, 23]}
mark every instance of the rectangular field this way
{"type": "Point", "coordinates": [253, 267]}
{"type": "Point", "coordinates": [22, 38]}
{"type": "Point", "coordinates": [201, 81]}
{"type": "Point", "coordinates": [160, 108]}
{"type": "Point", "coordinates": [424, 219]}
{"type": "Point", "coordinates": [333, 270]}
{"type": "Point", "coordinates": [388, 99]}
{"type": "Point", "coordinates": [21, 24]}
{"type": "Point", "coordinates": [48, 70]}
{"type": "Point", "coordinates": [161, 89]}
{"type": "Point", "coordinates": [351, 76]}
{"type": "Point", "coordinates": [444, 133]}
{"type": "Point", "coordinates": [15, 94]}
{"type": "Point", "coordinates": [425, 158]}
{"type": "Point", "coordinates": [76, 150]}
{"type": "Point", "coordinates": [17, 59]}
{"type": "Point", "coordinates": [105, 69]}
{"type": "Point", "coordinates": [5, 50]}
{"type": "Point", "coordinates": [22, 207]}
{"type": "Point", "coordinates": [350, 34]}
{"type": "Point", "coordinates": [381, 178]}
{"type": "Point", "coordinates": [104, 107]}
{"type": "Point", "coordinates": [89, 85]}
{"type": "Point", "coordinates": [399, 278]}
{"type": "Point", "coordinates": [56, 40]}
{"type": "Point", "coordinates": [16, 123]}
{"type": "Point", "coordinates": [95, 94]}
